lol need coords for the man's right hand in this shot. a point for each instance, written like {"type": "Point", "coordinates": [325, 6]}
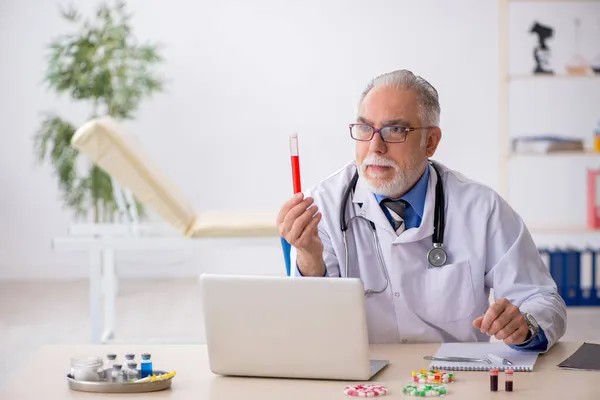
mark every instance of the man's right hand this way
{"type": "Point", "coordinates": [298, 222]}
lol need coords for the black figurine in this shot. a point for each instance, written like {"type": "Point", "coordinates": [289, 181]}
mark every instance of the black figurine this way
{"type": "Point", "coordinates": [541, 53]}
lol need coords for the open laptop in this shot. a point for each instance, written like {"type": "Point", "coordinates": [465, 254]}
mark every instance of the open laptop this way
{"type": "Point", "coordinates": [287, 327]}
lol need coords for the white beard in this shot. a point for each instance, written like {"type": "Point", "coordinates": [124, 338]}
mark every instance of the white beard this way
{"type": "Point", "coordinates": [403, 179]}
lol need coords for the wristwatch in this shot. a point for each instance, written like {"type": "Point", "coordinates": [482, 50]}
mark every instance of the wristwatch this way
{"type": "Point", "coordinates": [532, 325]}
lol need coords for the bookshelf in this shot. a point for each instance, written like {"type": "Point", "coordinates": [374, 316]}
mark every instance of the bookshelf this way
{"type": "Point", "coordinates": [553, 1]}
{"type": "Point", "coordinates": [563, 229]}
{"type": "Point", "coordinates": [522, 77]}
{"type": "Point", "coordinates": [584, 153]}
{"type": "Point", "coordinates": [506, 79]}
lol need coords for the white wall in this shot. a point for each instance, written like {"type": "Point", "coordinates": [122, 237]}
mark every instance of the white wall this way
{"type": "Point", "coordinates": [245, 74]}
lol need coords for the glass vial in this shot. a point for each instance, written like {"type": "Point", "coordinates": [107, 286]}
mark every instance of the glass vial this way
{"type": "Point", "coordinates": [494, 379]}
{"type": "Point", "coordinates": [111, 359]}
{"type": "Point", "coordinates": [146, 366]}
{"type": "Point", "coordinates": [508, 380]}
{"type": "Point", "coordinates": [595, 64]}
{"type": "Point", "coordinates": [117, 373]}
{"type": "Point", "coordinates": [577, 64]}
{"type": "Point", "coordinates": [129, 357]}
{"type": "Point", "coordinates": [132, 374]}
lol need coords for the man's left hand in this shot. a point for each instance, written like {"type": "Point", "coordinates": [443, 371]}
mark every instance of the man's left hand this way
{"type": "Point", "coordinates": [504, 321]}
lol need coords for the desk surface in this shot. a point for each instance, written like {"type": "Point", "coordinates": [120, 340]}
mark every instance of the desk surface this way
{"type": "Point", "coordinates": [44, 377]}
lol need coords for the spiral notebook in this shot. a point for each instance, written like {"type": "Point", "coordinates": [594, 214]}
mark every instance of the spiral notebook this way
{"type": "Point", "coordinates": [521, 360]}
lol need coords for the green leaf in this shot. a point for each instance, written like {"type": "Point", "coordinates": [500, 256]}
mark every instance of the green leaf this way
{"type": "Point", "coordinates": [99, 61]}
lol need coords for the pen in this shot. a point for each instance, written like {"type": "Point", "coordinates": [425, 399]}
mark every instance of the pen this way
{"type": "Point", "coordinates": [499, 359]}
{"type": "Point", "coordinates": [295, 163]}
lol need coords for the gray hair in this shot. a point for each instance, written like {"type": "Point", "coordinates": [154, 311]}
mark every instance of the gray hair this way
{"type": "Point", "coordinates": [427, 96]}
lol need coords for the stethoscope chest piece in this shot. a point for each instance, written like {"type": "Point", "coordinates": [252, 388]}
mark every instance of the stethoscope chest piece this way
{"type": "Point", "coordinates": [437, 256]}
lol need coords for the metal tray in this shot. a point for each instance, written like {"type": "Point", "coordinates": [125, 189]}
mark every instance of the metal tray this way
{"type": "Point", "coordinates": [125, 387]}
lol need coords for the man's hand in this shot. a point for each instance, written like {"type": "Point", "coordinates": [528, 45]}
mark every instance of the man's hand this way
{"type": "Point", "coordinates": [504, 321]}
{"type": "Point", "coordinates": [298, 223]}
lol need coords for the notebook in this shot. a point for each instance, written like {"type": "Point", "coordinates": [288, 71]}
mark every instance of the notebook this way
{"type": "Point", "coordinates": [587, 357]}
{"type": "Point", "coordinates": [521, 360]}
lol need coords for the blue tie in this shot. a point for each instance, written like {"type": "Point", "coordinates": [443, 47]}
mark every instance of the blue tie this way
{"type": "Point", "coordinates": [396, 209]}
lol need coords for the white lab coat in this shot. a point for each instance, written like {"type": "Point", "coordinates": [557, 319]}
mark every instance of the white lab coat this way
{"type": "Point", "coordinates": [488, 246]}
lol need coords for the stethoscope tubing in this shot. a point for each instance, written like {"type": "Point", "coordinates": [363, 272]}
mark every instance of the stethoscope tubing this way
{"type": "Point", "coordinates": [368, 292]}
{"type": "Point", "coordinates": [436, 256]}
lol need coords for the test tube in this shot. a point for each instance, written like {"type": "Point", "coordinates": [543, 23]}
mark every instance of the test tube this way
{"type": "Point", "coordinates": [295, 159]}
{"type": "Point", "coordinates": [494, 379]}
{"type": "Point", "coordinates": [508, 380]}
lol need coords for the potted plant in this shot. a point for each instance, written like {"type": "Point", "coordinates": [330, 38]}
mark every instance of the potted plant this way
{"type": "Point", "coordinates": [103, 65]}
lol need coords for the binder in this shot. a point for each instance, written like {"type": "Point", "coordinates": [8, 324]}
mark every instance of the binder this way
{"type": "Point", "coordinates": [572, 274]}
{"type": "Point", "coordinates": [588, 278]}
{"type": "Point", "coordinates": [557, 270]}
{"type": "Point", "coordinates": [576, 273]}
{"type": "Point", "coordinates": [593, 208]}
{"type": "Point", "coordinates": [595, 291]}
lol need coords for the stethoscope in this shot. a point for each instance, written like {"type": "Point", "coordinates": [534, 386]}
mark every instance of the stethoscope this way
{"type": "Point", "coordinates": [436, 256]}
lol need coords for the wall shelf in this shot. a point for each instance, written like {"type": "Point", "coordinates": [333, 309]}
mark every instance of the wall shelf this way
{"type": "Point", "coordinates": [560, 76]}
{"type": "Point", "coordinates": [553, 1]}
{"type": "Point", "coordinates": [557, 230]}
{"type": "Point", "coordinates": [584, 153]}
{"type": "Point", "coordinates": [507, 155]}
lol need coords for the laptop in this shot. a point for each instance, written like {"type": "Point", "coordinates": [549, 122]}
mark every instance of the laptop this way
{"type": "Point", "coordinates": [287, 327]}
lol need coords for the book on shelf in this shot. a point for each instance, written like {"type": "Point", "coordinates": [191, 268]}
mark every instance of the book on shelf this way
{"type": "Point", "coordinates": [546, 144]}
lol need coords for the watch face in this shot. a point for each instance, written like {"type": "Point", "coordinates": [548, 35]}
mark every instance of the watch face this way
{"type": "Point", "coordinates": [531, 322]}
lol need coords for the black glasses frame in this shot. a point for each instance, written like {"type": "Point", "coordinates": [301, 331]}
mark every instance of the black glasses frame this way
{"type": "Point", "coordinates": [374, 130]}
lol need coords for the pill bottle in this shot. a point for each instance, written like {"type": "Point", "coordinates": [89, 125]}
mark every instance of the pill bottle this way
{"type": "Point", "coordinates": [86, 368]}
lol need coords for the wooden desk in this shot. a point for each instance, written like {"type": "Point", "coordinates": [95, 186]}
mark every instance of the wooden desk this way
{"type": "Point", "coordinates": [44, 377]}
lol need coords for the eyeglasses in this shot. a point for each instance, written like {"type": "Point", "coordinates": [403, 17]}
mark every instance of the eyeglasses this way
{"type": "Point", "coordinates": [389, 134]}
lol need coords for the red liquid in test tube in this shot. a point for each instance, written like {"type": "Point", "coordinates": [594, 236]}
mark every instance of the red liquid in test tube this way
{"type": "Point", "coordinates": [295, 163]}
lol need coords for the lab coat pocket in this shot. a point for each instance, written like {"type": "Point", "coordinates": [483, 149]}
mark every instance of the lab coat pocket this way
{"type": "Point", "coordinates": [448, 293]}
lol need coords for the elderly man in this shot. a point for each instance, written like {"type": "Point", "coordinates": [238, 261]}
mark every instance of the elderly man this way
{"type": "Point", "coordinates": [427, 242]}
